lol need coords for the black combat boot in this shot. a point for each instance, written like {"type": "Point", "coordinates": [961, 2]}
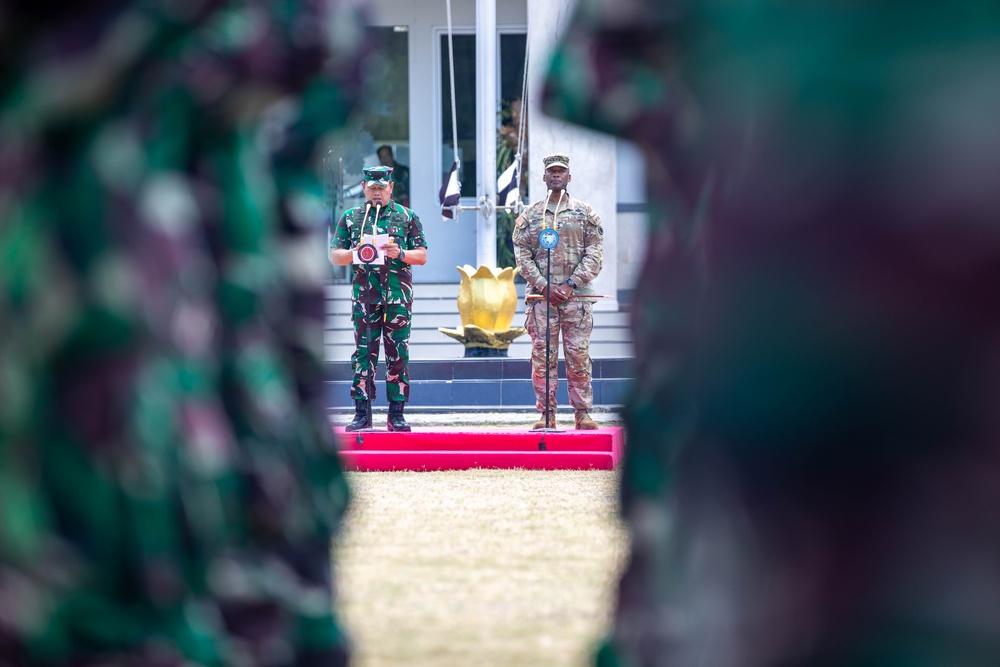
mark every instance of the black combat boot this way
{"type": "Point", "coordinates": [396, 421]}
{"type": "Point", "coordinates": [362, 416]}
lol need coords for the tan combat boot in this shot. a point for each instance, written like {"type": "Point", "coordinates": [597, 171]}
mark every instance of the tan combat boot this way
{"type": "Point", "coordinates": [583, 421]}
{"type": "Point", "coordinates": [541, 422]}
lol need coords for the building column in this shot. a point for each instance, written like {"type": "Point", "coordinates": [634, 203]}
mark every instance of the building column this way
{"type": "Point", "coordinates": [486, 132]}
{"type": "Point", "coordinates": [593, 156]}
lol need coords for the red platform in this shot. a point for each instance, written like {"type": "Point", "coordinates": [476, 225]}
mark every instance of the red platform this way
{"type": "Point", "coordinates": [461, 448]}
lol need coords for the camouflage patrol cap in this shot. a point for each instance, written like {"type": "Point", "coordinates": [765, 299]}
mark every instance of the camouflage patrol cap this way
{"type": "Point", "coordinates": [556, 160]}
{"type": "Point", "coordinates": [377, 176]}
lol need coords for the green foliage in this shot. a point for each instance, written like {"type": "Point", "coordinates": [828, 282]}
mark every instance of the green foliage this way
{"type": "Point", "coordinates": [505, 244]}
{"type": "Point", "coordinates": [506, 150]}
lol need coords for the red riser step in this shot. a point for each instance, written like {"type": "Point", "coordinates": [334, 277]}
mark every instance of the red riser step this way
{"type": "Point", "coordinates": [466, 440]}
{"type": "Point", "coordinates": [372, 461]}
{"type": "Point", "coordinates": [461, 448]}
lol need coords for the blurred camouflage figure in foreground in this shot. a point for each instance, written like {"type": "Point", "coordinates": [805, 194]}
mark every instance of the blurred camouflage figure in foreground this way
{"type": "Point", "coordinates": [813, 462]}
{"type": "Point", "coordinates": [168, 479]}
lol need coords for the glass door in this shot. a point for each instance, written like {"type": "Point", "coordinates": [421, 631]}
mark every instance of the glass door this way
{"type": "Point", "coordinates": [379, 134]}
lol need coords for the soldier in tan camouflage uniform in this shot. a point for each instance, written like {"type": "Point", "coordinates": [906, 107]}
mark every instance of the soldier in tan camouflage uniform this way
{"type": "Point", "coordinates": [575, 262]}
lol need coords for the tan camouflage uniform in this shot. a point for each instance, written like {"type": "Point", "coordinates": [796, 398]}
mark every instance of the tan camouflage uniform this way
{"type": "Point", "coordinates": [578, 256]}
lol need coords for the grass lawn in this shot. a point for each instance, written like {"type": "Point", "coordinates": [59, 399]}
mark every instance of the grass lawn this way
{"type": "Point", "coordinates": [500, 568]}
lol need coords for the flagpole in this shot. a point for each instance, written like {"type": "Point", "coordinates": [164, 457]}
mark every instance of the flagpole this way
{"type": "Point", "coordinates": [451, 69]}
{"type": "Point", "coordinates": [486, 135]}
{"type": "Point", "coordinates": [450, 194]}
{"type": "Point", "coordinates": [548, 333]}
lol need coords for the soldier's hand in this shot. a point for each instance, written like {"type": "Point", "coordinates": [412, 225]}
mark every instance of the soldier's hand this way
{"type": "Point", "coordinates": [560, 293]}
{"type": "Point", "coordinates": [391, 249]}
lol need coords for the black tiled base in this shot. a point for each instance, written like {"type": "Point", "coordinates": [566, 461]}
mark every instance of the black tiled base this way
{"type": "Point", "coordinates": [496, 384]}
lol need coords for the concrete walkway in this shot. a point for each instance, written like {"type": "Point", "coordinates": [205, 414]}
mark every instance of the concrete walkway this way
{"type": "Point", "coordinates": [417, 420]}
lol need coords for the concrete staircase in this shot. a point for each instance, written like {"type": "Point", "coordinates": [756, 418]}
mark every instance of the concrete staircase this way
{"type": "Point", "coordinates": [434, 306]}
{"type": "Point", "coordinates": [443, 379]}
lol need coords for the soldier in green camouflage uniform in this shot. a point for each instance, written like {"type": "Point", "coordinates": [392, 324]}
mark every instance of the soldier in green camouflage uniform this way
{"type": "Point", "coordinates": [169, 483]}
{"type": "Point", "coordinates": [575, 262]}
{"type": "Point", "coordinates": [382, 294]}
{"type": "Point", "coordinates": [812, 461]}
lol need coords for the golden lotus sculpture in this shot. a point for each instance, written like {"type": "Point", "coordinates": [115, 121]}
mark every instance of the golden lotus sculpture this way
{"type": "Point", "coordinates": [487, 300]}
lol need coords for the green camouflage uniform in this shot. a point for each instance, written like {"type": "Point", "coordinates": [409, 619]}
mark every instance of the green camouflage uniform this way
{"type": "Point", "coordinates": [384, 310]}
{"type": "Point", "coordinates": [578, 256]}
{"type": "Point", "coordinates": [812, 458]}
{"type": "Point", "coordinates": [169, 482]}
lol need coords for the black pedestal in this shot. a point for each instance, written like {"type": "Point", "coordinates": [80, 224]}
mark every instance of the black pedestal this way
{"type": "Point", "coordinates": [484, 352]}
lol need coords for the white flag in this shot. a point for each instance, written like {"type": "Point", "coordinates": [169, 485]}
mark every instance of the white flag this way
{"type": "Point", "coordinates": [507, 186]}
{"type": "Point", "coordinates": [450, 193]}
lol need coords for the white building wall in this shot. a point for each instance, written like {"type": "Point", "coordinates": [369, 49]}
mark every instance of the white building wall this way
{"type": "Point", "coordinates": [451, 243]}
{"type": "Point", "coordinates": [632, 214]}
{"type": "Point", "coordinates": [595, 158]}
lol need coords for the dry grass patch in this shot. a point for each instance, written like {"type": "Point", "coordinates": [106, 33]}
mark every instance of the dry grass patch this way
{"type": "Point", "coordinates": [479, 567]}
